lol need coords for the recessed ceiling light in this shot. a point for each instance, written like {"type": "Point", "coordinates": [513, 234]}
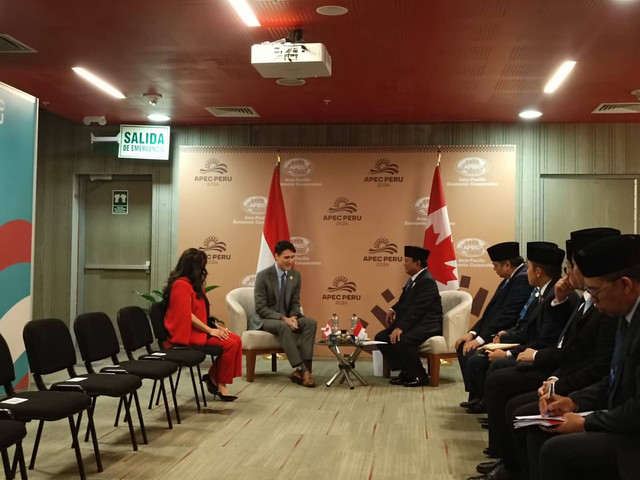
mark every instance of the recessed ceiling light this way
{"type": "Point", "coordinates": [246, 14]}
{"type": "Point", "coordinates": [559, 77]}
{"type": "Point", "coordinates": [158, 117]}
{"type": "Point", "coordinates": [290, 82]}
{"type": "Point", "coordinates": [530, 114]}
{"type": "Point", "coordinates": [332, 10]}
{"type": "Point", "coordinates": [98, 82]}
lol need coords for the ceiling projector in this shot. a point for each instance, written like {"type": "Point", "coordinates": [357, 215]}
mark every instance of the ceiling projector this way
{"type": "Point", "coordinates": [291, 60]}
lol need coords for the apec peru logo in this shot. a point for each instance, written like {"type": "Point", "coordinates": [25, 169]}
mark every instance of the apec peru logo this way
{"type": "Point", "coordinates": [255, 205]}
{"type": "Point", "coordinates": [473, 167]}
{"type": "Point", "coordinates": [343, 211]}
{"type": "Point", "coordinates": [213, 173]}
{"type": "Point", "coordinates": [341, 290]}
{"type": "Point", "coordinates": [383, 173]}
{"type": "Point", "coordinates": [298, 167]}
{"type": "Point", "coordinates": [214, 249]}
{"type": "Point", "coordinates": [382, 253]}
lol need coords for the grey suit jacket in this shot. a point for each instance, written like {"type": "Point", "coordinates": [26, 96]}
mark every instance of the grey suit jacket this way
{"type": "Point", "coordinates": [266, 292]}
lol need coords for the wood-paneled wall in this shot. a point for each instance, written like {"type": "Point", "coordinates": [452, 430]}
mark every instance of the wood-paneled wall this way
{"type": "Point", "coordinates": [65, 150]}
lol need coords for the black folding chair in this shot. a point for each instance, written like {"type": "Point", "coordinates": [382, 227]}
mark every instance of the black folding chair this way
{"type": "Point", "coordinates": [12, 433]}
{"type": "Point", "coordinates": [50, 349]}
{"type": "Point", "coordinates": [134, 321]}
{"type": "Point", "coordinates": [63, 401]}
{"type": "Point", "coordinates": [97, 340]}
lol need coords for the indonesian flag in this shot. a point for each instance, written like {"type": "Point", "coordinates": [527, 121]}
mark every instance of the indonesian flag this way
{"type": "Point", "coordinates": [359, 332]}
{"type": "Point", "coordinates": [437, 239]}
{"type": "Point", "coordinates": [326, 331]}
{"type": "Point", "coordinates": [275, 223]}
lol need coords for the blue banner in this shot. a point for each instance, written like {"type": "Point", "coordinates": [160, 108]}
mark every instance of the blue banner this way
{"type": "Point", "coordinates": [18, 132]}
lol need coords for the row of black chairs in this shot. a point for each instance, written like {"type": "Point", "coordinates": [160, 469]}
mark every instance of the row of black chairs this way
{"type": "Point", "coordinates": [50, 349]}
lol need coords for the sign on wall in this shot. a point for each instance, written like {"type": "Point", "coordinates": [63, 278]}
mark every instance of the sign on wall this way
{"type": "Point", "coordinates": [144, 141]}
{"type": "Point", "coordinates": [18, 132]}
{"type": "Point", "coordinates": [350, 213]}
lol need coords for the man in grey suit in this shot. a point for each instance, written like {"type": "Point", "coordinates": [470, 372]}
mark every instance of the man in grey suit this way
{"type": "Point", "coordinates": [277, 304]}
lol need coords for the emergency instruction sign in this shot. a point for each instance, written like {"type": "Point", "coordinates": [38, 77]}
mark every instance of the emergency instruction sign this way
{"type": "Point", "coordinates": [144, 141]}
{"type": "Point", "coordinates": [120, 202]}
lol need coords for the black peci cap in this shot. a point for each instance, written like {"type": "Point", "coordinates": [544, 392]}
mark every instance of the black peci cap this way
{"type": "Point", "coordinates": [417, 253]}
{"type": "Point", "coordinates": [582, 238]}
{"type": "Point", "coordinates": [545, 253]}
{"type": "Point", "coordinates": [608, 255]}
{"type": "Point", "coordinates": [503, 251]}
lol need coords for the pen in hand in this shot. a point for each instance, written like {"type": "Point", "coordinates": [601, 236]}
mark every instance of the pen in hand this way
{"type": "Point", "coordinates": [550, 393]}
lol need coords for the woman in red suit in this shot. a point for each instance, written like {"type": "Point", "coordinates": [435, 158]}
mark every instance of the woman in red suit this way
{"type": "Point", "coordinates": [186, 321]}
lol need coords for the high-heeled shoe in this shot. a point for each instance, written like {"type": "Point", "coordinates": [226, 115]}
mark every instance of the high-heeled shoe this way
{"type": "Point", "coordinates": [226, 398]}
{"type": "Point", "coordinates": [215, 391]}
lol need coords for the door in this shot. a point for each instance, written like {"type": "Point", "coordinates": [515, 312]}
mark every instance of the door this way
{"type": "Point", "coordinates": [114, 242]}
{"type": "Point", "coordinates": [573, 203]}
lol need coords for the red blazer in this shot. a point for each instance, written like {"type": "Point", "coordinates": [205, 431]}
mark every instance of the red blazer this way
{"type": "Point", "coordinates": [182, 303]}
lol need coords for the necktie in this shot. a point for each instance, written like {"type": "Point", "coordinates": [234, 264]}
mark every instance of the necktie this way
{"type": "Point", "coordinates": [535, 293]}
{"type": "Point", "coordinates": [616, 359]}
{"type": "Point", "coordinates": [409, 283]}
{"type": "Point", "coordinates": [281, 297]}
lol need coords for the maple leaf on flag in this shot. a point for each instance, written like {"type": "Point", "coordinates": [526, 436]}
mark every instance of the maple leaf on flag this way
{"type": "Point", "coordinates": [441, 253]}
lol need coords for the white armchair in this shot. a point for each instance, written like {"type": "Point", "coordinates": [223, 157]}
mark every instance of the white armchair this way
{"type": "Point", "coordinates": [240, 305]}
{"type": "Point", "coordinates": [456, 309]}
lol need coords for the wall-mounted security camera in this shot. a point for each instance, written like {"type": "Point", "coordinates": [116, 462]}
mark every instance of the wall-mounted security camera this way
{"type": "Point", "coordinates": [94, 119]}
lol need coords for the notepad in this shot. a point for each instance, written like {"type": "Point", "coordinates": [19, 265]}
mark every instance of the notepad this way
{"type": "Point", "coordinates": [529, 420]}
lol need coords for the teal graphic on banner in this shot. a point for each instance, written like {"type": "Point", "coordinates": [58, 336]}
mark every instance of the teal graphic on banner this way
{"type": "Point", "coordinates": [18, 117]}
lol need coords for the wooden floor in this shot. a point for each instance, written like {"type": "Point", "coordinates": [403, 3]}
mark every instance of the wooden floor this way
{"type": "Point", "coordinates": [279, 430]}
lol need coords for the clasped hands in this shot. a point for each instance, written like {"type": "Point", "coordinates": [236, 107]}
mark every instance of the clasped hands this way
{"type": "Point", "coordinates": [559, 406]}
{"type": "Point", "coordinates": [221, 332]}
{"type": "Point", "coordinates": [291, 321]}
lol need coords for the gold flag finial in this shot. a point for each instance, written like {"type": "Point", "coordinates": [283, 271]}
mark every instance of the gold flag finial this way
{"type": "Point", "coordinates": [278, 157]}
{"type": "Point", "coordinates": [439, 156]}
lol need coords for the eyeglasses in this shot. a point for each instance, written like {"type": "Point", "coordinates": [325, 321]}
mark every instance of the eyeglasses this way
{"type": "Point", "coordinates": [596, 292]}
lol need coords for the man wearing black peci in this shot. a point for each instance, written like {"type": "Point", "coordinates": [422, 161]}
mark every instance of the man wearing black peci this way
{"type": "Point", "coordinates": [501, 312]}
{"type": "Point", "coordinates": [607, 441]}
{"type": "Point", "coordinates": [414, 318]}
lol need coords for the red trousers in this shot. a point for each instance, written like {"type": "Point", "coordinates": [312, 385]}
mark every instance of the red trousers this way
{"type": "Point", "coordinates": [229, 364]}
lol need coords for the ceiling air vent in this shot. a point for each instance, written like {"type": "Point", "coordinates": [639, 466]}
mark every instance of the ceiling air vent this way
{"type": "Point", "coordinates": [8, 44]}
{"type": "Point", "coordinates": [618, 108]}
{"type": "Point", "coordinates": [232, 112]}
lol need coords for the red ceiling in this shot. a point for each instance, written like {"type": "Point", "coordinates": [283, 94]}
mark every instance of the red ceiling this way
{"type": "Point", "coordinates": [394, 61]}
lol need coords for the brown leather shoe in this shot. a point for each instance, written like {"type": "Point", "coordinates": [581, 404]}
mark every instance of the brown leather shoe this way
{"type": "Point", "coordinates": [296, 377]}
{"type": "Point", "coordinates": [307, 379]}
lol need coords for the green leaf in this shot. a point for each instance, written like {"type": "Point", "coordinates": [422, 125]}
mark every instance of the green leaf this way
{"type": "Point", "coordinates": [210, 287]}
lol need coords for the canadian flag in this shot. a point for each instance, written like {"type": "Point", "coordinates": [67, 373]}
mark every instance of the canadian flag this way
{"type": "Point", "coordinates": [437, 238]}
{"type": "Point", "coordinates": [275, 222]}
{"type": "Point", "coordinates": [326, 331]}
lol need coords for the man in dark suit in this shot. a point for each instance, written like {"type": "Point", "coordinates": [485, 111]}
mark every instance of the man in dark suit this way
{"type": "Point", "coordinates": [578, 358]}
{"type": "Point", "coordinates": [534, 325]}
{"type": "Point", "coordinates": [277, 311]}
{"type": "Point", "coordinates": [414, 318]}
{"type": "Point", "coordinates": [500, 314]}
{"type": "Point", "coordinates": [608, 440]}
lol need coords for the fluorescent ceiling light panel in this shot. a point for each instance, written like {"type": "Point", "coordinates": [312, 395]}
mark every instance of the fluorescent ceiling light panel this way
{"type": "Point", "coordinates": [246, 14]}
{"type": "Point", "coordinates": [98, 82]}
{"type": "Point", "coordinates": [158, 117]}
{"type": "Point", "coordinates": [559, 76]}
